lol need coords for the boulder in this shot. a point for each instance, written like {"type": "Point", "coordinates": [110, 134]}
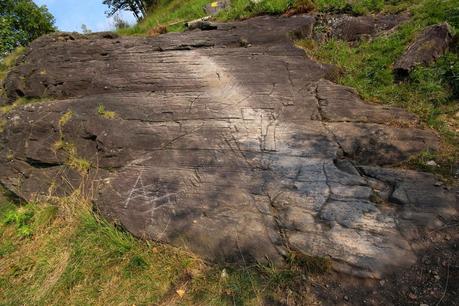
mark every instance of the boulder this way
{"type": "Point", "coordinates": [432, 43]}
{"type": "Point", "coordinates": [203, 24]}
{"type": "Point", "coordinates": [237, 153]}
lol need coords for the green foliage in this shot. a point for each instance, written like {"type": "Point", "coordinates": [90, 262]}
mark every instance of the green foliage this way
{"type": "Point", "coordinates": [22, 218]}
{"type": "Point", "coordinates": [76, 257]}
{"type": "Point", "coordinates": [434, 11]}
{"type": "Point", "coordinates": [21, 21]}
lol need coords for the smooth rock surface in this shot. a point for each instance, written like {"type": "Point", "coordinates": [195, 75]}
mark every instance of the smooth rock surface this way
{"type": "Point", "coordinates": [235, 152]}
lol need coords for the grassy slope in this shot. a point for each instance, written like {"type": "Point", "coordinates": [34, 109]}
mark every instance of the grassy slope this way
{"type": "Point", "coordinates": [64, 254]}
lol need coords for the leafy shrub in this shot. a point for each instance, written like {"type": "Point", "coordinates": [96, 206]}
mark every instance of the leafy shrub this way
{"type": "Point", "coordinates": [22, 21]}
{"type": "Point", "coordinates": [21, 218]}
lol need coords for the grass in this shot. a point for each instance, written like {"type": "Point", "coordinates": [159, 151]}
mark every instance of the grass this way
{"type": "Point", "coordinates": [61, 253]}
{"type": "Point", "coordinates": [9, 61]}
{"type": "Point", "coordinates": [105, 113]}
{"type": "Point", "coordinates": [430, 92]}
{"type": "Point", "coordinates": [70, 256]}
{"type": "Point", "coordinates": [6, 64]}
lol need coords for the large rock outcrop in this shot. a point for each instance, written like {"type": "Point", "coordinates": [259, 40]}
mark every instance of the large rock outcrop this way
{"type": "Point", "coordinates": [237, 151]}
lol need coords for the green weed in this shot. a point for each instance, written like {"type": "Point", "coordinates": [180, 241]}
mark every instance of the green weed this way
{"type": "Point", "coordinates": [65, 118]}
{"type": "Point", "coordinates": [105, 113]}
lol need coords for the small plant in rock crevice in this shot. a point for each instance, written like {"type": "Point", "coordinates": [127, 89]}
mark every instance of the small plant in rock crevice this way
{"type": "Point", "coordinates": [74, 161]}
{"type": "Point", "coordinates": [105, 113]}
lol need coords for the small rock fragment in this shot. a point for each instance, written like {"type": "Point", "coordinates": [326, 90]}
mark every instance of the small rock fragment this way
{"type": "Point", "coordinates": [431, 163]}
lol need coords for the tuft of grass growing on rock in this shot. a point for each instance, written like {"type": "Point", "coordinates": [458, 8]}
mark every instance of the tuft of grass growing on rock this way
{"type": "Point", "coordinates": [74, 161]}
{"type": "Point", "coordinates": [18, 103]}
{"type": "Point", "coordinates": [65, 119]}
{"type": "Point", "coordinates": [9, 61]}
{"type": "Point", "coordinates": [105, 113]}
{"type": "Point", "coordinates": [6, 64]}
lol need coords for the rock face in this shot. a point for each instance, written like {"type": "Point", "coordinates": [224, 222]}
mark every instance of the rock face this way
{"type": "Point", "coordinates": [430, 45]}
{"type": "Point", "coordinates": [236, 151]}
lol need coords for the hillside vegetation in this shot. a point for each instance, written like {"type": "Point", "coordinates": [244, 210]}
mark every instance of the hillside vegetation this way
{"type": "Point", "coordinates": [430, 92]}
{"type": "Point", "coordinates": [174, 13]}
